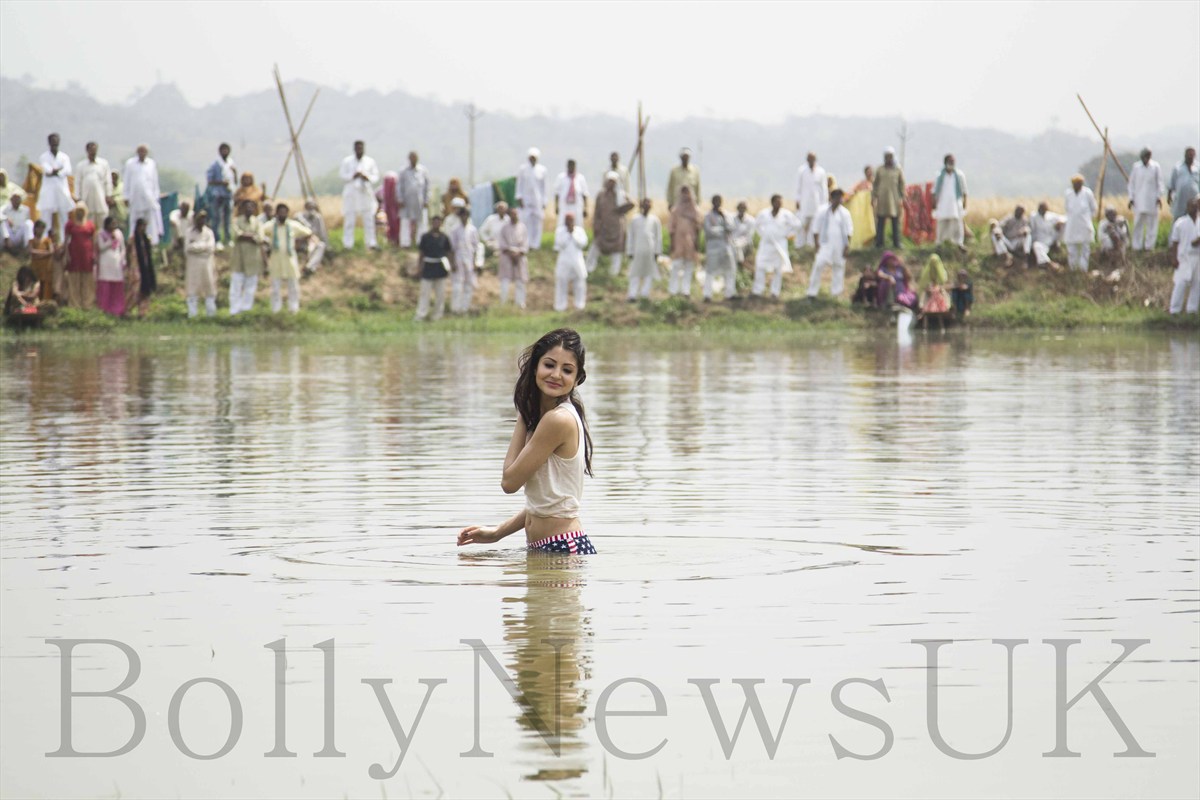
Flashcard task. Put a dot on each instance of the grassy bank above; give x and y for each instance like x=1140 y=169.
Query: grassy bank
x=373 y=293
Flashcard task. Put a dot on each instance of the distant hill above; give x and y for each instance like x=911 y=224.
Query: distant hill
x=736 y=158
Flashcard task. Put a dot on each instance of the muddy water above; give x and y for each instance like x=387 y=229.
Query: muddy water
x=783 y=510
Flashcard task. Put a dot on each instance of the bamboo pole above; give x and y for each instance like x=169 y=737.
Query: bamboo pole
x=287 y=162
x=1104 y=134
x=1100 y=180
x=305 y=188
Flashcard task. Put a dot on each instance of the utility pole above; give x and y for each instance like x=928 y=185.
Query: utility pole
x=472 y=115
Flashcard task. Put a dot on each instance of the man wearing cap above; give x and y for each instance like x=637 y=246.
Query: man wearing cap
x=571 y=193
x=887 y=196
x=1081 y=209
x=950 y=202
x=812 y=193
x=16 y=228
x=360 y=173
x=686 y=174
x=1145 y=198
x=531 y=196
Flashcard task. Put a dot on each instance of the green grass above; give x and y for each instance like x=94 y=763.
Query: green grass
x=379 y=301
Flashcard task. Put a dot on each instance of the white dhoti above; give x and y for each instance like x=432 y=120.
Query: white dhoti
x=241 y=292
x=533 y=219
x=19 y=235
x=357 y=206
x=461 y=288
x=643 y=269
x=805 y=233
x=1187 y=285
x=680 y=281
x=293 y=294
x=152 y=213
x=566 y=274
x=1041 y=253
x=1078 y=254
x=950 y=229
x=828 y=256
x=1145 y=231
x=771 y=259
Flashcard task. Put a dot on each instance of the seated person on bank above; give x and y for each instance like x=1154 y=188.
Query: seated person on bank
x=24 y=297
x=1016 y=236
x=1114 y=232
x=962 y=295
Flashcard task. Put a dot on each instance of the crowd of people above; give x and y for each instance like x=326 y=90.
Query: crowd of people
x=112 y=264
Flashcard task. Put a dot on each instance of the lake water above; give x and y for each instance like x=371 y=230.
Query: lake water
x=765 y=508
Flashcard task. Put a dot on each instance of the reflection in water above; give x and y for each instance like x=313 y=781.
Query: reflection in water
x=755 y=504
x=548 y=633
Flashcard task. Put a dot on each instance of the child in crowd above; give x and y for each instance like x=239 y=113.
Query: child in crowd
x=962 y=296
x=41 y=259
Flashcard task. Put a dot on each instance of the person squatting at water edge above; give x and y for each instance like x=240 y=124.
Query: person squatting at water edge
x=550 y=450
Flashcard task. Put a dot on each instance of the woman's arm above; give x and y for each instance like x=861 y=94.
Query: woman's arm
x=552 y=431
x=479 y=534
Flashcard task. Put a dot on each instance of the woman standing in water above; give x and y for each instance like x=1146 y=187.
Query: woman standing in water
x=550 y=450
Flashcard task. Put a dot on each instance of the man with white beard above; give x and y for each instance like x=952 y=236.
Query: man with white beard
x=531 y=196
x=1145 y=198
x=55 y=195
x=142 y=193
x=360 y=173
x=812 y=193
x=93 y=183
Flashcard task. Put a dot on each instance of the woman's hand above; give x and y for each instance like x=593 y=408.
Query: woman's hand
x=478 y=534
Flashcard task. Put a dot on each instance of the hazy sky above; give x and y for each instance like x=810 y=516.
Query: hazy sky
x=1015 y=66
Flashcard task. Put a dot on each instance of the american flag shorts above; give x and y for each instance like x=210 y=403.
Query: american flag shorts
x=575 y=543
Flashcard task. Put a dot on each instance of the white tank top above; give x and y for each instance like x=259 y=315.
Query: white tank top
x=556 y=489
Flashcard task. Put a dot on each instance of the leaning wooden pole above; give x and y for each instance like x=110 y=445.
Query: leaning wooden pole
x=304 y=188
x=287 y=162
x=1100 y=179
x=1104 y=135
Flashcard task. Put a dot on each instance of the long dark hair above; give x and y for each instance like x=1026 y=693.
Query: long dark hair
x=527 y=397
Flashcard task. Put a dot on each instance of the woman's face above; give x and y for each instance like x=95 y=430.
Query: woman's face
x=557 y=372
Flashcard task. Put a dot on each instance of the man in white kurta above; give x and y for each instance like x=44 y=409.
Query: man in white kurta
x=1184 y=184
x=1079 y=232
x=615 y=165
x=775 y=225
x=16 y=228
x=1046 y=230
x=1185 y=245
x=570 y=241
x=1113 y=232
x=743 y=233
x=142 y=192
x=489 y=231
x=360 y=173
x=531 y=196
x=950 y=202
x=55 y=195
x=93 y=183
x=832 y=230
x=1145 y=198
x=571 y=193
x=412 y=194
x=463 y=242
x=643 y=245
x=812 y=194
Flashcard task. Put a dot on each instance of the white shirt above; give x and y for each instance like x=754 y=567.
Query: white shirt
x=743 y=230
x=55 y=194
x=835 y=227
x=489 y=231
x=1184 y=232
x=531 y=186
x=1044 y=229
x=93 y=178
x=570 y=246
x=141 y=183
x=812 y=189
x=563 y=185
x=15 y=217
x=359 y=194
x=774 y=231
x=1081 y=208
x=644 y=236
x=1145 y=187
x=949 y=204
